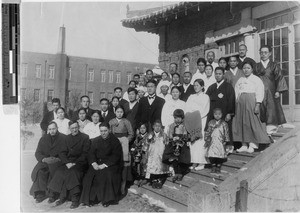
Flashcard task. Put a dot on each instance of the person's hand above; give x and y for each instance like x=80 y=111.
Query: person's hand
x=50 y=160
x=188 y=144
x=176 y=138
x=256 y=109
x=277 y=95
x=102 y=166
x=228 y=117
x=70 y=165
x=95 y=166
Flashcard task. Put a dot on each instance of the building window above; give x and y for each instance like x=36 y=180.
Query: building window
x=23 y=93
x=38 y=70
x=24 y=70
x=111 y=76
x=36 y=95
x=279 y=41
x=231 y=46
x=297 y=63
x=102 y=95
x=69 y=73
x=128 y=77
x=274 y=21
x=91 y=74
x=51 y=71
x=91 y=96
x=109 y=96
x=118 y=77
x=50 y=95
x=103 y=76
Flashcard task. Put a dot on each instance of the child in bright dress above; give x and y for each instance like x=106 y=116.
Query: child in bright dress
x=215 y=137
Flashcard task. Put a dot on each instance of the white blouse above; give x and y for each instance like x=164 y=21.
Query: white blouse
x=168 y=109
x=63 y=125
x=251 y=84
x=198 y=102
x=168 y=96
x=92 y=130
x=209 y=81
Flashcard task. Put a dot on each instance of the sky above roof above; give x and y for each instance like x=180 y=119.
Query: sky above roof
x=93 y=29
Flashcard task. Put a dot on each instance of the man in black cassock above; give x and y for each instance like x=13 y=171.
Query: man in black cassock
x=47 y=155
x=67 y=179
x=102 y=182
x=222 y=95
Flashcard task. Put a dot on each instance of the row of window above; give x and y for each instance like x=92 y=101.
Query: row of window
x=90 y=77
x=50 y=95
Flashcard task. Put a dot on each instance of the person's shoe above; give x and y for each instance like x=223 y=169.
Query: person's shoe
x=191 y=168
x=242 y=149
x=51 y=200
x=106 y=204
x=218 y=170
x=213 y=169
x=59 y=202
x=74 y=205
x=229 y=149
x=250 y=150
x=180 y=177
x=175 y=178
x=200 y=167
x=40 y=198
x=142 y=182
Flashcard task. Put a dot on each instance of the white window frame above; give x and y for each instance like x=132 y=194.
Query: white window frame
x=24 y=69
x=38 y=70
x=118 y=77
x=103 y=76
x=91 y=96
x=39 y=95
x=70 y=73
x=111 y=76
x=129 y=77
x=91 y=74
x=50 y=90
x=51 y=71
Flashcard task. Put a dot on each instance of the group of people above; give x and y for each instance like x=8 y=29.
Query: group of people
x=158 y=129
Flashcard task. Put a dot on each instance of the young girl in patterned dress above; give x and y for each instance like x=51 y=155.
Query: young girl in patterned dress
x=215 y=137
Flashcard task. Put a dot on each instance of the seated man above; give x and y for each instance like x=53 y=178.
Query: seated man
x=68 y=177
x=47 y=155
x=102 y=182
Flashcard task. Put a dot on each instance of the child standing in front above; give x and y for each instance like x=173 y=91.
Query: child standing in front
x=156 y=170
x=138 y=152
x=122 y=129
x=177 y=152
x=215 y=137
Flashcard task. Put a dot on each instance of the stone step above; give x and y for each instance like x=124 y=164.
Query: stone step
x=244 y=157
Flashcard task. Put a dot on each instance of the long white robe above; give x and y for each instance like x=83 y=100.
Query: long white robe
x=199 y=102
x=167 y=112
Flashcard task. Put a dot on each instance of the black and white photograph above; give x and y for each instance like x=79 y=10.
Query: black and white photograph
x=160 y=106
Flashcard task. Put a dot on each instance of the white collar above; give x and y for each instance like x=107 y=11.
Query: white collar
x=265 y=63
x=156 y=134
x=234 y=71
x=186 y=86
x=219 y=84
x=242 y=59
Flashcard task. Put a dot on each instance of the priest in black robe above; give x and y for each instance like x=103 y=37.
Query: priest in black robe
x=47 y=155
x=68 y=178
x=222 y=95
x=103 y=179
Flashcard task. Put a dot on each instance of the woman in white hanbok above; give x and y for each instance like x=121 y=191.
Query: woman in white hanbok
x=62 y=122
x=169 y=107
x=198 y=104
x=92 y=129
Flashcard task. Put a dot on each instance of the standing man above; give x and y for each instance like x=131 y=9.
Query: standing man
x=131 y=108
x=242 y=56
x=84 y=103
x=106 y=115
x=269 y=72
x=136 y=78
x=118 y=93
x=50 y=116
x=186 y=89
x=150 y=107
x=234 y=73
x=172 y=69
x=149 y=75
x=210 y=57
x=222 y=95
x=47 y=155
x=67 y=179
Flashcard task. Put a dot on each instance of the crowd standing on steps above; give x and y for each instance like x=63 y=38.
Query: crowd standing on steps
x=158 y=129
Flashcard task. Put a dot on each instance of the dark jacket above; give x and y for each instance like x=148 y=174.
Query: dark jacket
x=49 y=116
x=110 y=115
x=247 y=59
x=149 y=113
x=185 y=95
x=131 y=114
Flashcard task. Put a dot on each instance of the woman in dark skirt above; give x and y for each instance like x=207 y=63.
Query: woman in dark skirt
x=247 y=127
x=103 y=179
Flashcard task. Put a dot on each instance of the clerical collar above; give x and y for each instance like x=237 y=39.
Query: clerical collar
x=265 y=63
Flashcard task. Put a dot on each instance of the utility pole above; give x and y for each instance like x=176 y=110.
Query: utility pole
x=45 y=99
x=85 y=82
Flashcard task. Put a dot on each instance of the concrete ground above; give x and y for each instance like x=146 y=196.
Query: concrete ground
x=131 y=203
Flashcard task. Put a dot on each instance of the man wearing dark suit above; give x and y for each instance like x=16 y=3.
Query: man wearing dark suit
x=47 y=155
x=118 y=93
x=242 y=57
x=85 y=103
x=131 y=108
x=186 y=89
x=150 y=107
x=50 y=116
x=106 y=115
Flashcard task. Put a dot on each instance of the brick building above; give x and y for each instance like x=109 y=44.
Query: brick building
x=191 y=29
x=45 y=76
